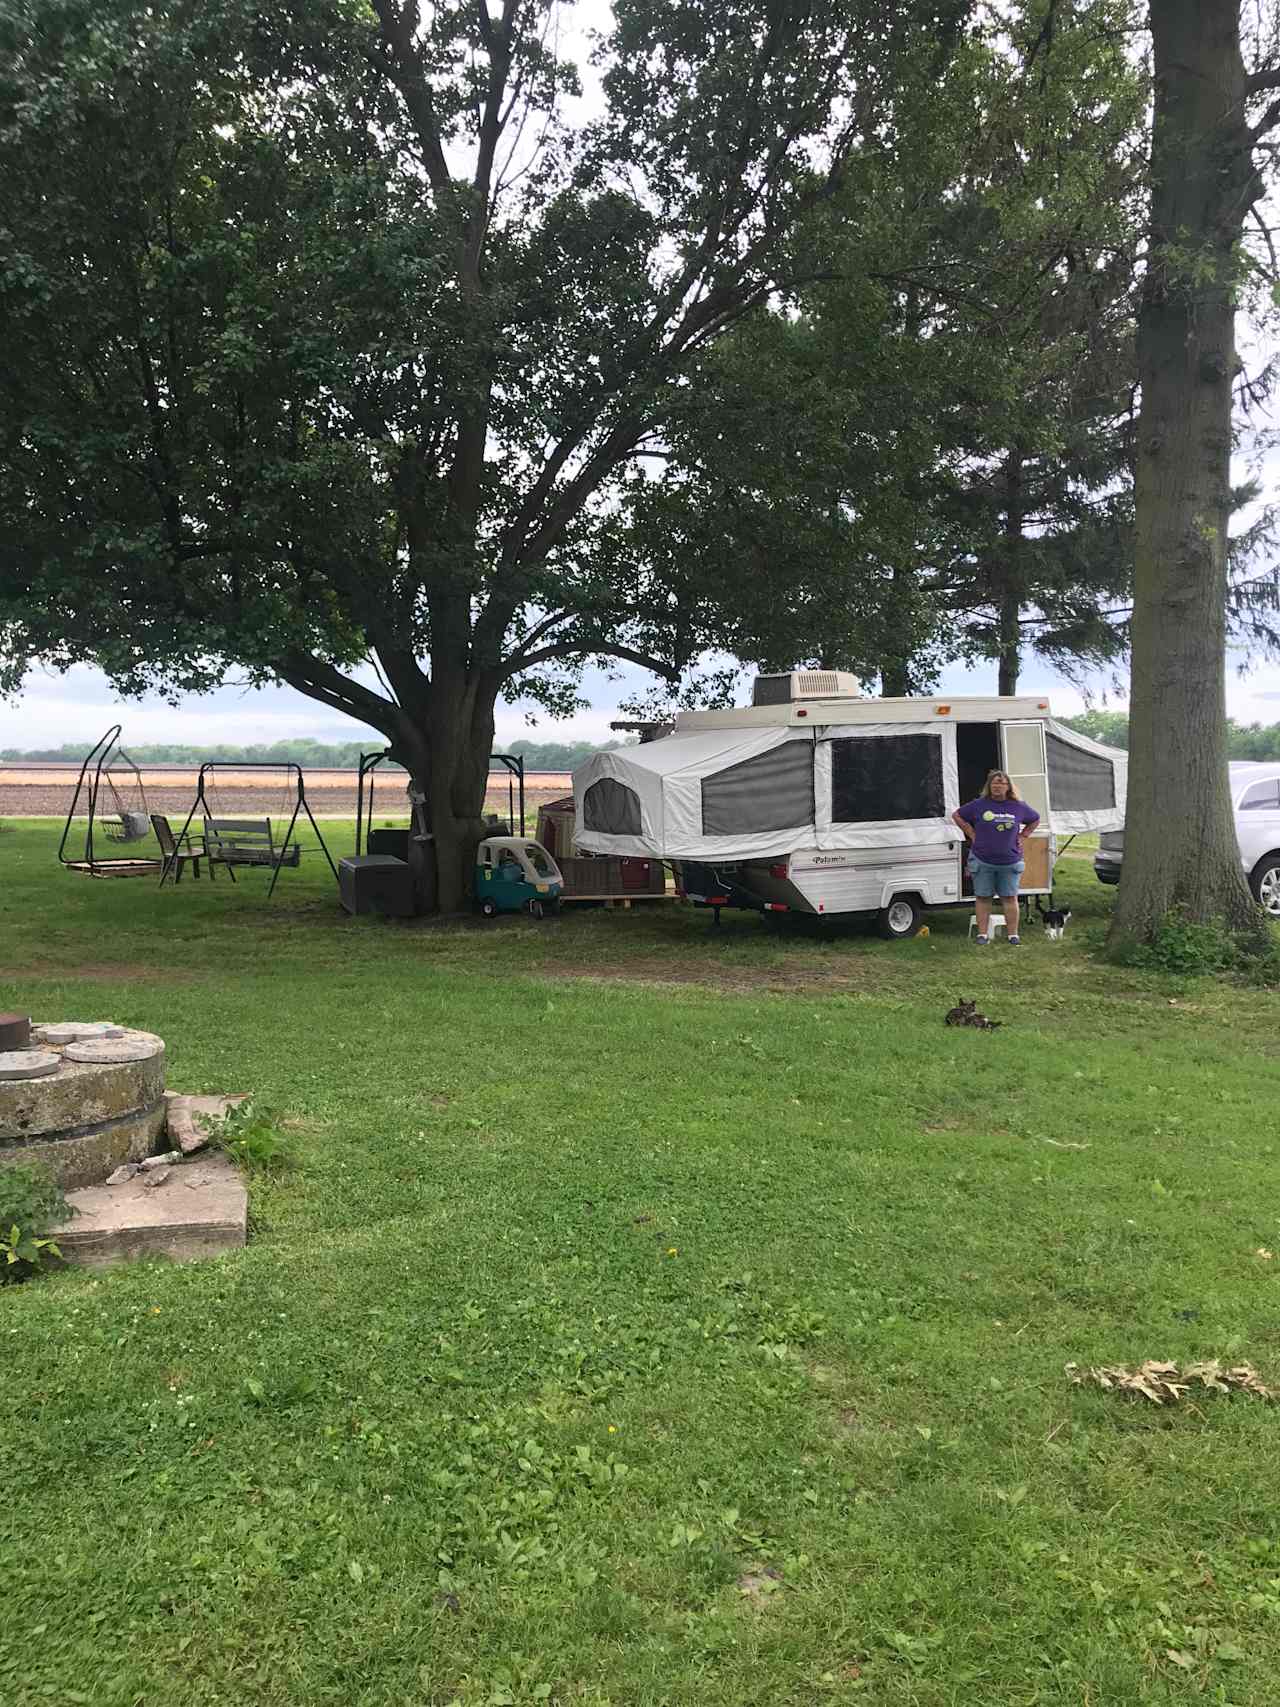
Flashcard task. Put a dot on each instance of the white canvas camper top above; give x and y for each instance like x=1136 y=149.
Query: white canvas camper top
x=809 y=791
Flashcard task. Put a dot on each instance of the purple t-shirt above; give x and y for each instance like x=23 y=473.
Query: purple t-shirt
x=996 y=827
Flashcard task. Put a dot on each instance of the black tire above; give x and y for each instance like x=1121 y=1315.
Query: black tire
x=1264 y=880
x=535 y=908
x=488 y=907
x=901 y=919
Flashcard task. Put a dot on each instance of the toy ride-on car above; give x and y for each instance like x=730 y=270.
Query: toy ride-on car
x=515 y=875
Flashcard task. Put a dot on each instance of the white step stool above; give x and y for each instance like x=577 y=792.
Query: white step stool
x=997 y=924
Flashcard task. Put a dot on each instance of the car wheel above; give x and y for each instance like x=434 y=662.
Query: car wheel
x=488 y=907
x=901 y=918
x=1265 y=883
x=535 y=909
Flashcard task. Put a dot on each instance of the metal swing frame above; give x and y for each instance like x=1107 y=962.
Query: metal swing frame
x=284 y=856
x=512 y=763
x=98 y=765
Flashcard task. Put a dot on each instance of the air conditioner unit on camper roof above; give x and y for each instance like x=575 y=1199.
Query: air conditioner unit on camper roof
x=804 y=684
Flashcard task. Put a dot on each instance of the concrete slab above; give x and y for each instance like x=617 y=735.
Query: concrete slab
x=199 y=1210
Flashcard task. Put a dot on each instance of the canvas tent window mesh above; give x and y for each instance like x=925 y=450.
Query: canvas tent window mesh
x=772 y=791
x=879 y=778
x=611 y=808
x=1078 y=781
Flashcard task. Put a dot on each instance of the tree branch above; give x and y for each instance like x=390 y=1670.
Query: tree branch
x=1265 y=229
x=319 y=680
x=404 y=69
x=539 y=629
x=584 y=649
x=1267 y=122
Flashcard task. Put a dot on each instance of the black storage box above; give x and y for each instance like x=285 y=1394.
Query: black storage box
x=393 y=842
x=376 y=883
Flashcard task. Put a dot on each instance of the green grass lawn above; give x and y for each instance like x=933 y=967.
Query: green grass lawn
x=626 y=1263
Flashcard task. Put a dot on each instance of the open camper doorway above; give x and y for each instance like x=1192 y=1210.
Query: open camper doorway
x=977 y=752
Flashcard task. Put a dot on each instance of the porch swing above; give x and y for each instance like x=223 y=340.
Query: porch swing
x=234 y=841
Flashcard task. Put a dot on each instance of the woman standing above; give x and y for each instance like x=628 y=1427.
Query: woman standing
x=995 y=825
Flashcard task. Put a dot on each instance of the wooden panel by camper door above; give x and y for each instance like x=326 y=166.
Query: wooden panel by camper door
x=1036 y=855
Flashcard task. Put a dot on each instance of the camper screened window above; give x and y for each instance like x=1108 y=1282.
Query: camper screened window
x=611 y=808
x=773 y=791
x=1078 y=781
x=876 y=779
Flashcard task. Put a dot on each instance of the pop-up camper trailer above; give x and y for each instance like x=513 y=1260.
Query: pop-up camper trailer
x=815 y=800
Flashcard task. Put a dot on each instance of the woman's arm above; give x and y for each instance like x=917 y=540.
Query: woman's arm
x=1027 y=827
x=965 y=825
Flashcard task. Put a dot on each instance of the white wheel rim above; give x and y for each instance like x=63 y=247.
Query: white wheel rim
x=901 y=916
x=1269 y=891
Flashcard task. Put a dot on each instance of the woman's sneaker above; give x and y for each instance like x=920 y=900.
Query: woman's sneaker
x=1015 y=941
x=981 y=940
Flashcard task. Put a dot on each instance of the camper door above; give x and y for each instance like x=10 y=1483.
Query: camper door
x=886 y=785
x=1023 y=756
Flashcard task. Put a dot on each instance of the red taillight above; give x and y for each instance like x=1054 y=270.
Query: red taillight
x=717 y=900
x=776 y=907
x=778 y=870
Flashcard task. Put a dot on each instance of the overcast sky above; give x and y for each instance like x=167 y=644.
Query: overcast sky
x=77 y=707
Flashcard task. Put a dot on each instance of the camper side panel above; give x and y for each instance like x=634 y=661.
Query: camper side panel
x=860 y=881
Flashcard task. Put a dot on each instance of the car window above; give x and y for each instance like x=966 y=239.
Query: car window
x=1262 y=797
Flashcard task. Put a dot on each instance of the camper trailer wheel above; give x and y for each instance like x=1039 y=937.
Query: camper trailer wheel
x=901 y=918
x=535 y=908
x=488 y=907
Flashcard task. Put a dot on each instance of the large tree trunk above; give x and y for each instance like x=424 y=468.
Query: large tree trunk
x=1180 y=844
x=895 y=682
x=896 y=678
x=1009 y=610
x=1010 y=656
x=447 y=758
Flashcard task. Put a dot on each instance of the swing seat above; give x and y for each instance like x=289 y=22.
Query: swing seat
x=128 y=827
x=246 y=841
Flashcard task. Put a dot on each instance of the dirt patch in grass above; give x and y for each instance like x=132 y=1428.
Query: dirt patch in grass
x=776 y=980
x=107 y=972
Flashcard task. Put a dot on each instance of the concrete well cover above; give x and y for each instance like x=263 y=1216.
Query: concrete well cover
x=28 y=1063
x=107 y=1051
x=78 y=1031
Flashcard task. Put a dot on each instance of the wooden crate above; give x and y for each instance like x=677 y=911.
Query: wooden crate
x=608 y=875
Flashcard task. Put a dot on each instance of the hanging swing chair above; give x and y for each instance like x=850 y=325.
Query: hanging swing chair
x=110 y=788
x=129 y=820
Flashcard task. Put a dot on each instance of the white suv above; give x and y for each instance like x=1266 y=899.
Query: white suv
x=1255 y=797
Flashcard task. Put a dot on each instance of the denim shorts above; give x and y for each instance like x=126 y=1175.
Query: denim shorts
x=992 y=880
